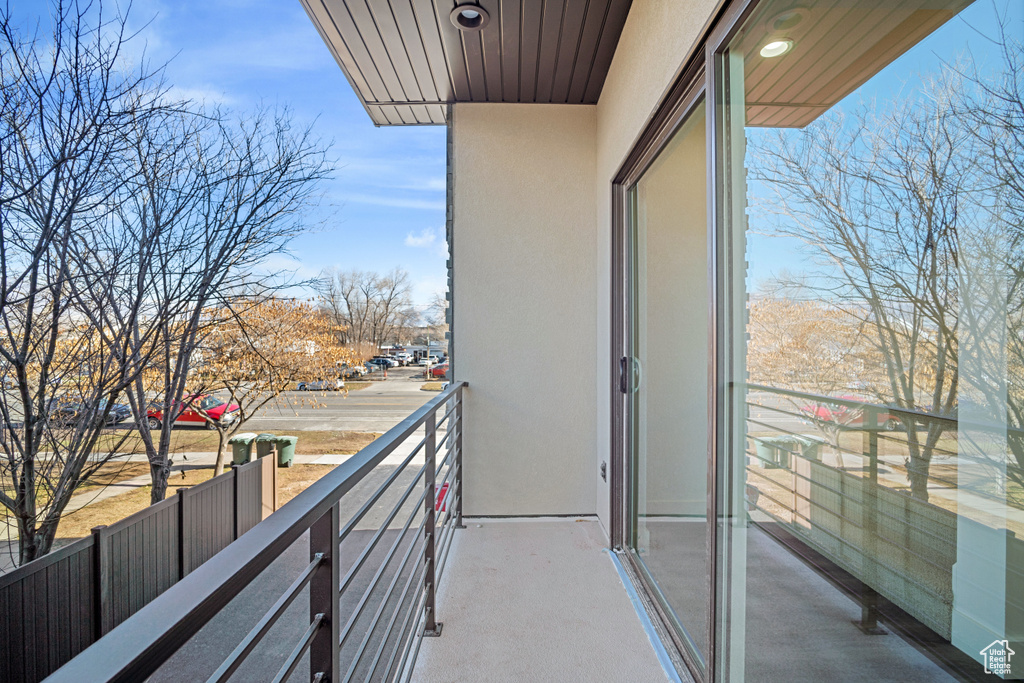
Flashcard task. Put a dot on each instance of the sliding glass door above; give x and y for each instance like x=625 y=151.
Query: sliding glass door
x=667 y=378
x=869 y=157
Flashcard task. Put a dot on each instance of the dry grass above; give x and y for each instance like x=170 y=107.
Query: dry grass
x=189 y=440
x=432 y=386
x=113 y=472
x=79 y=523
x=290 y=482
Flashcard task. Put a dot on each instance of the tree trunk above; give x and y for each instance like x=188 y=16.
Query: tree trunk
x=33 y=543
x=160 y=472
x=222 y=437
x=917 y=473
x=27 y=549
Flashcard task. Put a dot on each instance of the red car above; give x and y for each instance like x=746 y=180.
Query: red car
x=196 y=408
x=849 y=416
x=439 y=370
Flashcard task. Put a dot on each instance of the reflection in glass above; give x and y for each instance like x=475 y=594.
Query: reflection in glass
x=876 y=400
x=670 y=378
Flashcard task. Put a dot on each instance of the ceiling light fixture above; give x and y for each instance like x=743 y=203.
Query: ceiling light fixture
x=776 y=48
x=469 y=17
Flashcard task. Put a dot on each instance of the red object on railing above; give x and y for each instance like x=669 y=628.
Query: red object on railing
x=441 y=505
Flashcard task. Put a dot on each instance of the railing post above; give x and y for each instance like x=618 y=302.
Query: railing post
x=236 y=518
x=458 y=459
x=101 y=585
x=324 y=597
x=431 y=627
x=184 y=547
x=869 y=596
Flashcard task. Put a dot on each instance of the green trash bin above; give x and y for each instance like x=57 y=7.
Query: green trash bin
x=264 y=444
x=775 y=451
x=286 y=450
x=779 y=451
x=241 y=447
x=811 y=447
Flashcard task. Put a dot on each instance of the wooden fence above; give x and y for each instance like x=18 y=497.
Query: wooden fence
x=53 y=608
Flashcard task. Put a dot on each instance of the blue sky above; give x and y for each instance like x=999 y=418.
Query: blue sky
x=385 y=206
x=966 y=36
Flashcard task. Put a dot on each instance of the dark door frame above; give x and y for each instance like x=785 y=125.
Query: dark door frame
x=684 y=97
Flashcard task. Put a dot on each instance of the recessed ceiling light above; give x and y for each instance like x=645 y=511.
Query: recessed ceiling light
x=469 y=17
x=776 y=48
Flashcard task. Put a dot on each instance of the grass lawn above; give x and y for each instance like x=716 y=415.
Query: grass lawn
x=202 y=440
x=290 y=482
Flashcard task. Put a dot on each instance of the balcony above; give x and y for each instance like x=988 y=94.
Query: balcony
x=837 y=549
x=515 y=595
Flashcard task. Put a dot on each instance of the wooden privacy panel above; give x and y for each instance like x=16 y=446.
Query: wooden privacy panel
x=139 y=560
x=207 y=520
x=253 y=481
x=55 y=607
x=47 y=614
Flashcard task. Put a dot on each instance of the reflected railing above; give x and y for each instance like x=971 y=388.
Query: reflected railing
x=835 y=474
x=368 y=628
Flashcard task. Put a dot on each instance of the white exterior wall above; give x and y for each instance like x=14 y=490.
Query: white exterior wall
x=525 y=313
x=532 y=252
x=658 y=37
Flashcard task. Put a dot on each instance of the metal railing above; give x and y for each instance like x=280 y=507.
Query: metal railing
x=339 y=644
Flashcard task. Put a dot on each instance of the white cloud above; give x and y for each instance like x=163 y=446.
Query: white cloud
x=426 y=238
x=429 y=238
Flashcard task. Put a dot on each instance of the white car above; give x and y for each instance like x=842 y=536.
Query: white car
x=427 y=361
x=322 y=385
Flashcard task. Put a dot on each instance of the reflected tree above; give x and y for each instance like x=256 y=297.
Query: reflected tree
x=883 y=199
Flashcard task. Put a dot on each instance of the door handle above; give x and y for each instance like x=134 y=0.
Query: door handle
x=623 y=381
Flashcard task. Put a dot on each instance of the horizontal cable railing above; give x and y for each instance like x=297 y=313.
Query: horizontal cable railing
x=380 y=637
x=835 y=474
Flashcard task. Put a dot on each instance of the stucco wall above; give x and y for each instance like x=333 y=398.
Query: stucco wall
x=655 y=42
x=525 y=313
x=532 y=251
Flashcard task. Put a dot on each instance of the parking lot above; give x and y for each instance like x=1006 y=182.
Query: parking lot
x=375 y=408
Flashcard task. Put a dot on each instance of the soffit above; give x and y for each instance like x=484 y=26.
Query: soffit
x=838 y=46
x=406 y=60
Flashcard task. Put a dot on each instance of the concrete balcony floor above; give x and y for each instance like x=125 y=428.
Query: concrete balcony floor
x=535 y=600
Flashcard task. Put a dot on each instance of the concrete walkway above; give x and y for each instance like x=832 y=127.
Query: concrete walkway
x=535 y=600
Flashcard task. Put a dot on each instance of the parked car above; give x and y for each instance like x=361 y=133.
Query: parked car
x=379 y=362
x=426 y=361
x=352 y=371
x=439 y=370
x=391 y=361
x=194 y=410
x=404 y=358
x=848 y=416
x=322 y=385
x=72 y=412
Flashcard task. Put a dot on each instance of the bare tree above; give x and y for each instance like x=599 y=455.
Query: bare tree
x=68 y=101
x=882 y=200
x=373 y=309
x=245 y=196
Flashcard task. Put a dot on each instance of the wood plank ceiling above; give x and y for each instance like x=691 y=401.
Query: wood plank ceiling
x=406 y=60
x=837 y=46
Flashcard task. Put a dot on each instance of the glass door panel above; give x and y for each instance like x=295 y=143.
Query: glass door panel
x=668 y=401
x=872 y=299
